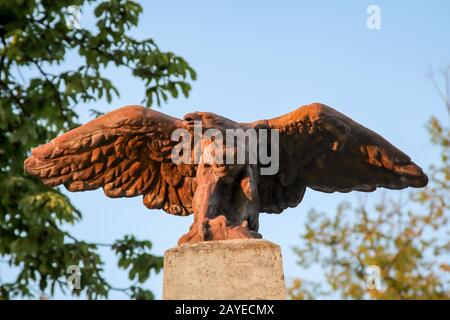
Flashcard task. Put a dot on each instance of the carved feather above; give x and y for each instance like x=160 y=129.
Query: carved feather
x=113 y=152
x=325 y=150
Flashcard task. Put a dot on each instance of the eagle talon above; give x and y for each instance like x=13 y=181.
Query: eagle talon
x=218 y=228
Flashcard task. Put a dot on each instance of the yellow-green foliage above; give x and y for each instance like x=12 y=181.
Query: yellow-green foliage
x=408 y=239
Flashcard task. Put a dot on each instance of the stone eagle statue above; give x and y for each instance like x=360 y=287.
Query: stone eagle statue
x=129 y=152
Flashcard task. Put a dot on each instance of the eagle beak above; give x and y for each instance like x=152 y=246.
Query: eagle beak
x=190 y=119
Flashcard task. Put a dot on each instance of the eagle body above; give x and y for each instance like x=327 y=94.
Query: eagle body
x=130 y=152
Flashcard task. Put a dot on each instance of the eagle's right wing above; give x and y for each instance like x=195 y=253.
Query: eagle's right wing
x=127 y=153
x=323 y=149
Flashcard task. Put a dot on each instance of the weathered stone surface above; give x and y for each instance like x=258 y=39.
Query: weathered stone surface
x=128 y=153
x=228 y=269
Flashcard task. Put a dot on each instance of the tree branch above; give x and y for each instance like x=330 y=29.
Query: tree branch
x=444 y=96
x=55 y=91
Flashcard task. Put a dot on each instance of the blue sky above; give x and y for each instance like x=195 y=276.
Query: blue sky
x=260 y=59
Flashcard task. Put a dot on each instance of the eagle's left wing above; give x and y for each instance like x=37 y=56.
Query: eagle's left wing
x=127 y=152
x=325 y=150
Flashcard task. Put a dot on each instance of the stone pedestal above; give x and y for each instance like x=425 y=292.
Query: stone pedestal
x=228 y=270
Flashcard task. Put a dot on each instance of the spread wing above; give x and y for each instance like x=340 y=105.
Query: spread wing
x=325 y=150
x=126 y=152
